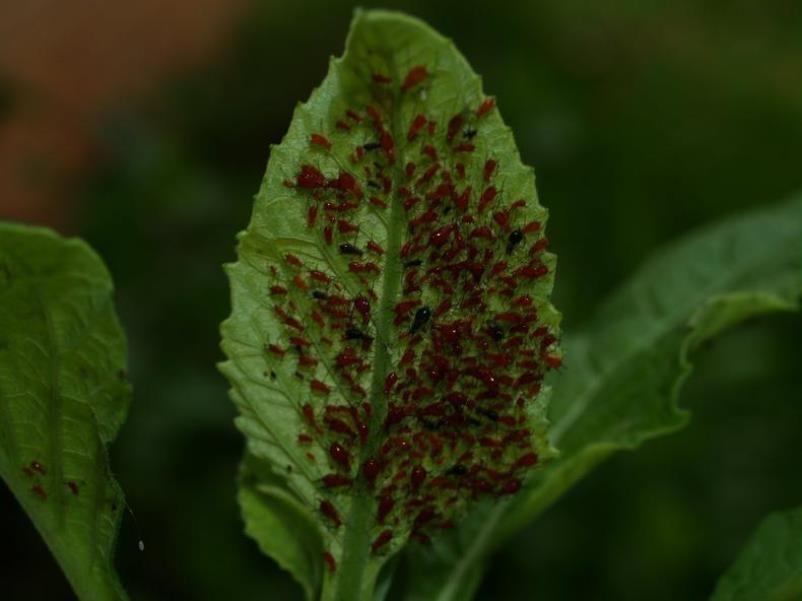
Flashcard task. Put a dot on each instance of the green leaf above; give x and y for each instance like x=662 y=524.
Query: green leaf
x=63 y=397
x=624 y=372
x=390 y=325
x=770 y=566
x=283 y=528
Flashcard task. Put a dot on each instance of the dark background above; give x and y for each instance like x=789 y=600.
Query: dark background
x=145 y=128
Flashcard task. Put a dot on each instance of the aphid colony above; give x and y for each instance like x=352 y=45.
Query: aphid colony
x=470 y=348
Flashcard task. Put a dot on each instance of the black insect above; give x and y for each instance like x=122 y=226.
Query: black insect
x=319 y=295
x=513 y=240
x=353 y=333
x=422 y=316
x=413 y=263
x=374 y=184
x=457 y=470
x=347 y=248
x=371 y=145
x=496 y=332
x=488 y=413
x=469 y=133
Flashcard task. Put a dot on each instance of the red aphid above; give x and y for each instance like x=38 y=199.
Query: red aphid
x=428 y=174
x=336 y=480
x=527 y=460
x=385 y=537
x=414 y=128
x=481 y=232
x=331 y=563
x=328 y=235
x=454 y=125
x=338 y=453
x=357 y=267
x=530 y=272
x=346 y=227
x=388 y=146
x=39 y=491
x=531 y=227
x=553 y=361
x=342 y=125
x=311 y=216
x=430 y=152
x=293 y=260
x=362 y=306
x=415 y=76
x=386 y=505
x=441 y=235
x=487 y=197
x=373 y=247
x=403 y=308
x=276 y=349
x=378 y=202
x=381 y=79
x=540 y=246
x=73 y=487
x=318 y=140
x=485 y=107
x=335 y=424
x=278 y=290
x=489 y=169
x=409 y=170
x=353 y=115
x=310 y=178
x=309 y=415
x=328 y=510
x=301 y=285
x=319 y=276
x=498 y=268
x=304 y=438
x=502 y=218
x=417 y=477
x=319 y=387
x=390 y=382
x=463 y=199
x=307 y=361
x=374 y=115
x=371 y=469
x=465 y=147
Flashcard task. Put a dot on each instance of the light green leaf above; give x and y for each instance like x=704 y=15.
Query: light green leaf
x=390 y=327
x=770 y=566
x=282 y=527
x=63 y=397
x=624 y=372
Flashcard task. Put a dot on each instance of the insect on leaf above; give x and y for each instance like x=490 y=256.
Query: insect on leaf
x=63 y=396
x=627 y=367
x=391 y=327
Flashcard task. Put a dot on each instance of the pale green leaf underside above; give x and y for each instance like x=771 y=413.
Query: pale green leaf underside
x=269 y=391
x=770 y=566
x=282 y=527
x=623 y=373
x=63 y=397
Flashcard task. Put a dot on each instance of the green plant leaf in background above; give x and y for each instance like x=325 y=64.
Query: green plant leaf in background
x=626 y=368
x=391 y=327
x=63 y=397
x=770 y=566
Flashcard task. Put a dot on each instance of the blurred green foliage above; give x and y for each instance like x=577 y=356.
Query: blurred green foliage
x=642 y=119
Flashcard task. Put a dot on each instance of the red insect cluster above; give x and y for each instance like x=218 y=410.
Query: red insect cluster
x=473 y=347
